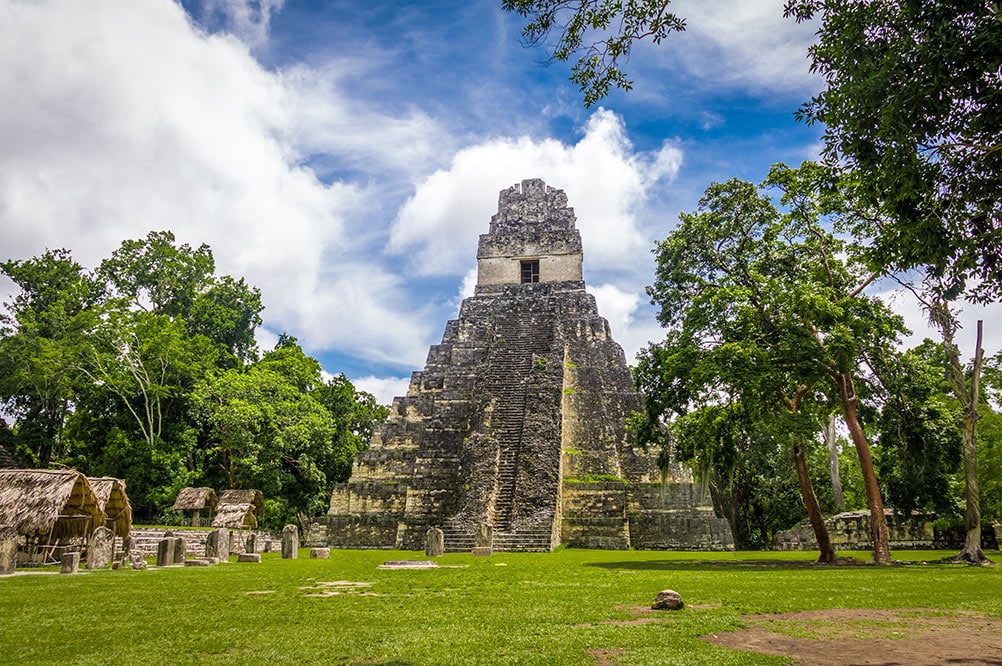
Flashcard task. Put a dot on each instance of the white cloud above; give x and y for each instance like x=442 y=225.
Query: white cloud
x=906 y=305
x=630 y=318
x=119 y=117
x=607 y=183
x=385 y=389
x=745 y=44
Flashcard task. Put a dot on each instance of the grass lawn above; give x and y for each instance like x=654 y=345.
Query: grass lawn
x=567 y=607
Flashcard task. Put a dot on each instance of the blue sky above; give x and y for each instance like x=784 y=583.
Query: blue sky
x=344 y=156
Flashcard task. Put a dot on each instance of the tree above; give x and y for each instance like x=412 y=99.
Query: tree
x=911 y=105
x=601 y=33
x=773 y=298
x=355 y=415
x=154 y=274
x=917 y=428
x=42 y=334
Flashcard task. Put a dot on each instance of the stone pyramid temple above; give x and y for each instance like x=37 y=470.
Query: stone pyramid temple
x=518 y=419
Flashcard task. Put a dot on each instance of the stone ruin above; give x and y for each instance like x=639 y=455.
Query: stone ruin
x=517 y=421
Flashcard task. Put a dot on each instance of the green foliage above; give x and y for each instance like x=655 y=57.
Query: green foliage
x=597 y=478
x=918 y=432
x=767 y=327
x=911 y=106
x=147 y=370
x=599 y=33
x=42 y=334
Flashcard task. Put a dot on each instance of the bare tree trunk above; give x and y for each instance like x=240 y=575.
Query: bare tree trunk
x=827 y=554
x=833 y=462
x=878 y=522
x=971 y=553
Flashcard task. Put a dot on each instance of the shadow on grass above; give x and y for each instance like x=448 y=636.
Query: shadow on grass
x=725 y=565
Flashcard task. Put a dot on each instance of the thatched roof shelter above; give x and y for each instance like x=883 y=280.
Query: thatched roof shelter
x=196 y=499
x=235 y=516
x=255 y=497
x=111 y=498
x=48 y=504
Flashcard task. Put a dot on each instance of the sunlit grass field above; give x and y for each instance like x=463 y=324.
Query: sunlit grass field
x=511 y=608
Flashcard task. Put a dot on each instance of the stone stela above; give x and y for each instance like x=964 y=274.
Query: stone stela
x=517 y=420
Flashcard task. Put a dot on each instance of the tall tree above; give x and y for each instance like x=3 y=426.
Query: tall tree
x=773 y=294
x=42 y=334
x=917 y=428
x=912 y=107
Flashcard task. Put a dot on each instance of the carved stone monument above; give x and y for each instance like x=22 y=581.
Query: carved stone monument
x=165 y=551
x=518 y=420
x=180 y=549
x=101 y=548
x=434 y=545
x=8 y=550
x=69 y=563
x=290 y=542
x=217 y=544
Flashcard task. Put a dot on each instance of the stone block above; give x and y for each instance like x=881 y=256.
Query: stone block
x=197 y=562
x=250 y=545
x=100 y=548
x=217 y=544
x=180 y=550
x=482 y=551
x=434 y=542
x=137 y=561
x=483 y=537
x=8 y=550
x=249 y=557
x=320 y=553
x=290 y=542
x=69 y=563
x=165 y=551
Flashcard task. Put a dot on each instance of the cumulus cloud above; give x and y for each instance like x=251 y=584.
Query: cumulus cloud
x=385 y=389
x=606 y=180
x=743 y=44
x=120 y=117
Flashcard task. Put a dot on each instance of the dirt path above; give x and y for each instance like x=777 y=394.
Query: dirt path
x=909 y=637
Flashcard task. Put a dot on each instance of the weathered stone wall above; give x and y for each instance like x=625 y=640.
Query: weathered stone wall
x=594 y=515
x=851 y=531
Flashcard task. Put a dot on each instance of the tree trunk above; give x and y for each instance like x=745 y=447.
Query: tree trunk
x=878 y=522
x=827 y=554
x=971 y=553
x=833 y=462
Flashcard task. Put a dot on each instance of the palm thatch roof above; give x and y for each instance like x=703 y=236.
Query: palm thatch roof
x=196 y=499
x=255 y=497
x=235 y=516
x=48 y=504
x=6 y=459
x=111 y=498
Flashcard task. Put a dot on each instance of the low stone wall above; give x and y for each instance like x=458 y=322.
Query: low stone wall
x=362 y=531
x=145 y=539
x=644 y=516
x=851 y=531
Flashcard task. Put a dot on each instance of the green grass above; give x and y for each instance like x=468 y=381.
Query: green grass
x=512 y=608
